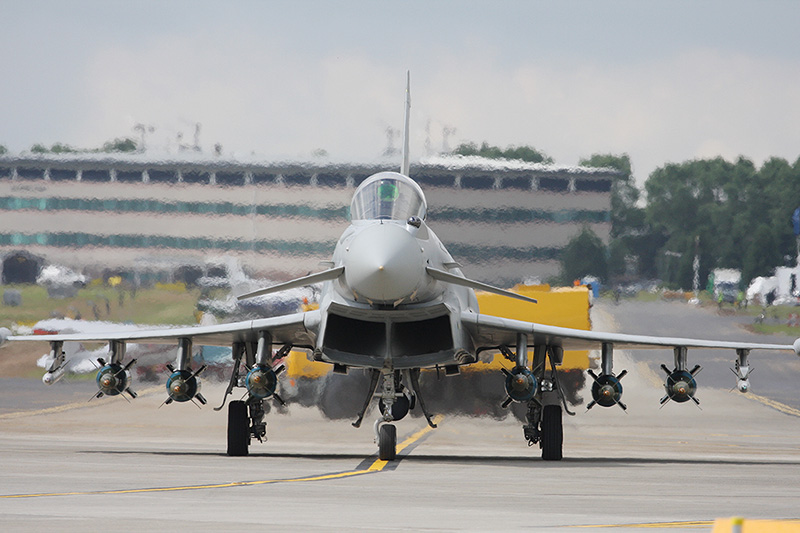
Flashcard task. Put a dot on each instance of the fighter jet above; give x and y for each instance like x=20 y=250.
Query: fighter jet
x=395 y=302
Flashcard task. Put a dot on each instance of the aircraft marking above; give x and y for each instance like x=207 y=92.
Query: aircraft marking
x=375 y=467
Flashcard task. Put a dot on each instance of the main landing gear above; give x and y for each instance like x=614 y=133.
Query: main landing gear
x=246 y=416
x=539 y=389
x=544 y=425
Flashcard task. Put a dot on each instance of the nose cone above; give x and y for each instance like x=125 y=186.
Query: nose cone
x=384 y=263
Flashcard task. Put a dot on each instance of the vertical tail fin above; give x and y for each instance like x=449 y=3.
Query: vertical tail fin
x=405 y=168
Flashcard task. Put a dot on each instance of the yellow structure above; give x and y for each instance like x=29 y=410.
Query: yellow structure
x=740 y=525
x=564 y=306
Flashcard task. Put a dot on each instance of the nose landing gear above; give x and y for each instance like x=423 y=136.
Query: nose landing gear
x=386 y=435
x=395 y=400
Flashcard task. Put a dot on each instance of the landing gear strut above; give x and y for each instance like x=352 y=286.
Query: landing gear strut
x=240 y=429
x=544 y=427
x=544 y=417
x=395 y=400
x=246 y=416
x=394 y=403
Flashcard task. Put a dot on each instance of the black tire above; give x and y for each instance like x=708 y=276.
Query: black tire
x=552 y=433
x=387 y=442
x=238 y=429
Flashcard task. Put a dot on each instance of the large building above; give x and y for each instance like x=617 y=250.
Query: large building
x=504 y=221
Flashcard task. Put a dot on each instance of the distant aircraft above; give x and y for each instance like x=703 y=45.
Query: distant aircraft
x=76 y=358
x=60 y=281
x=229 y=274
x=394 y=302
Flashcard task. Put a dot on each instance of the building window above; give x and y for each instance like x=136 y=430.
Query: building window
x=587 y=185
x=554 y=184
x=477 y=182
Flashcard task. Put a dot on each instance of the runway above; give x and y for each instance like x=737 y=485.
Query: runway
x=87 y=466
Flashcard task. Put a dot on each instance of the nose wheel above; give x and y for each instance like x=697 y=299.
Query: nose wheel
x=387 y=442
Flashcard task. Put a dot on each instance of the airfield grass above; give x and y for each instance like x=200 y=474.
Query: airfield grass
x=164 y=304
x=170 y=304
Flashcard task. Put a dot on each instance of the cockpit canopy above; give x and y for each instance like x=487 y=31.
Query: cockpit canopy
x=388 y=196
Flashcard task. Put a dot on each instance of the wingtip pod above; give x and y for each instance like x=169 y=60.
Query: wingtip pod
x=796 y=347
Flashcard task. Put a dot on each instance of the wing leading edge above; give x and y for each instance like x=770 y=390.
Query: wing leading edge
x=489 y=331
x=297 y=329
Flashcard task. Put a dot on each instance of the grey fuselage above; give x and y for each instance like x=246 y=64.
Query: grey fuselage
x=385 y=310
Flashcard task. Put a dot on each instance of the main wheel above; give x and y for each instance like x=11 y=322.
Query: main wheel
x=238 y=429
x=552 y=433
x=387 y=442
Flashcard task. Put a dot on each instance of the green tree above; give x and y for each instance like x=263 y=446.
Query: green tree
x=762 y=253
x=3 y=149
x=741 y=214
x=523 y=153
x=125 y=144
x=59 y=148
x=584 y=255
x=631 y=237
x=686 y=201
x=626 y=217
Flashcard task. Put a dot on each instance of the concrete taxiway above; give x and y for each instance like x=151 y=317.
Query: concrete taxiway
x=111 y=464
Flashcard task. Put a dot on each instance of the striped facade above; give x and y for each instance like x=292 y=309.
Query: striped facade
x=504 y=221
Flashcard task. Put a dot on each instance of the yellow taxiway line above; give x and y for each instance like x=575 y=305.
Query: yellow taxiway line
x=379 y=465
x=653 y=525
x=376 y=466
x=783 y=408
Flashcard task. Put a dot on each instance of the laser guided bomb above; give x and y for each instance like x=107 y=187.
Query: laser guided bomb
x=183 y=384
x=607 y=390
x=113 y=379
x=680 y=385
x=261 y=381
x=607 y=387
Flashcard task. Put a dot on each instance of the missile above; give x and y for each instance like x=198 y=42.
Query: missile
x=742 y=373
x=52 y=376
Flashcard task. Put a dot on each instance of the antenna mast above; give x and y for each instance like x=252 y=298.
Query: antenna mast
x=405 y=168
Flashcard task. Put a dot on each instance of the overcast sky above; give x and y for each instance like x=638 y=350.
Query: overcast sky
x=662 y=81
